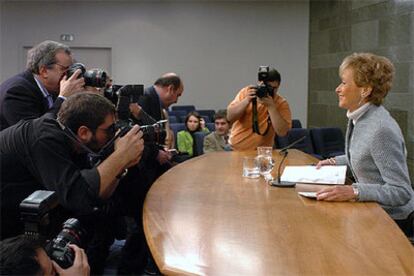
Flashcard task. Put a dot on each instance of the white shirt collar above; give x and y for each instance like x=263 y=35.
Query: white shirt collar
x=356 y=114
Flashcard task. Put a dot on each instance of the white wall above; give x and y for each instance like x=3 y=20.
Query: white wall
x=216 y=47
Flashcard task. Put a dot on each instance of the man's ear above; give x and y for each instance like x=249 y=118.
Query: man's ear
x=84 y=134
x=43 y=72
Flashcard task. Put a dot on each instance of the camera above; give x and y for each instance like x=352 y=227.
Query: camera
x=264 y=89
x=153 y=131
x=58 y=249
x=93 y=77
x=42 y=217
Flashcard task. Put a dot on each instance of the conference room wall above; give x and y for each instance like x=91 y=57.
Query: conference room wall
x=339 y=28
x=215 y=46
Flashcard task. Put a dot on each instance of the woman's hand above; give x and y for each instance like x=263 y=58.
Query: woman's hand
x=336 y=193
x=326 y=162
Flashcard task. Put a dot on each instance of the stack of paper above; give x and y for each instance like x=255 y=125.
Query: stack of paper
x=309 y=174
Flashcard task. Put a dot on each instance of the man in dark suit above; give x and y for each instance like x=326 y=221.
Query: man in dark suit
x=165 y=91
x=155 y=161
x=42 y=87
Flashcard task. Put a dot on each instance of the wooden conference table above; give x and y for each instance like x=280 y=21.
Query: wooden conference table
x=203 y=218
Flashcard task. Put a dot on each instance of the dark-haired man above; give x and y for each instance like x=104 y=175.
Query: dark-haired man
x=22 y=255
x=273 y=116
x=54 y=154
x=218 y=139
x=35 y=91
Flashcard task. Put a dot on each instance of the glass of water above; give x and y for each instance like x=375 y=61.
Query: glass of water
x=250 y=167
x=265 y=161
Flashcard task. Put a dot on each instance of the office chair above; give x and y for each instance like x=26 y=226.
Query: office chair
x=207 y=112
x=328 y=141
x=295 y=134
x=186 y=108
x=296 y=123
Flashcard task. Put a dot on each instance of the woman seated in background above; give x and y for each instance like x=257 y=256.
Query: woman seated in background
x=185 y=138
x=375 y=151
x=203 y=126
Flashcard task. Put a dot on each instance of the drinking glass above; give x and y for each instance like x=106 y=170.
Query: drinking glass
x=250 y=167
x=265 y=161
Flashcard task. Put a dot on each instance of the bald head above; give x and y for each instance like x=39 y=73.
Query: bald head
x=169 y=87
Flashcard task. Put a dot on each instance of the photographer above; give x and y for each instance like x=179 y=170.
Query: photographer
x=269 y=111
x=51 y=154
x=21 y=255
x=42 y=87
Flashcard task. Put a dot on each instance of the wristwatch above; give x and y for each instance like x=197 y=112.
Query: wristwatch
x=122 y=174
x=356 y=192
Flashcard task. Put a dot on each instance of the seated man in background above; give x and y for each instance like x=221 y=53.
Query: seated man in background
x=22 y=255
x=219 y=139
x=273 y=114
x=55 y=154
x=35 y=91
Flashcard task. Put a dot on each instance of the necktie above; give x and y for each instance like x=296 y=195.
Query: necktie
x=49 y=100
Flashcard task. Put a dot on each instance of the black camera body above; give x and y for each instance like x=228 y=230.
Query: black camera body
x=153 y=131
x=93 y=77
x=42 y=216
x=264 y=89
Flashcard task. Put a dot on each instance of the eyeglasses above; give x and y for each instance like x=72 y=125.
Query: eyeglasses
x=110 y=131
x=64 y=68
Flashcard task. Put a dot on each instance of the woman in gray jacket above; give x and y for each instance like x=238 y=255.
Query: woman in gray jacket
x=375 y=151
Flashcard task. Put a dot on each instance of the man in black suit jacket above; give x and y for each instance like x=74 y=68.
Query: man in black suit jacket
x=42 y=87
x=155 y=160
x=165 y=91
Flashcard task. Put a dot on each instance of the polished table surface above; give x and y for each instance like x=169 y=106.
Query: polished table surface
x=202 y=217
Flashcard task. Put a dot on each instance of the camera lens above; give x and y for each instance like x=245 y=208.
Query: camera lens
x=59 y=249
x=73 y=68
x=95 y=78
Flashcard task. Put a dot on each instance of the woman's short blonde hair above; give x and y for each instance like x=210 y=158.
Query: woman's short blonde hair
x=370 y=70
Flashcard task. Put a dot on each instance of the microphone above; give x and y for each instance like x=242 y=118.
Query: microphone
x=284 y=152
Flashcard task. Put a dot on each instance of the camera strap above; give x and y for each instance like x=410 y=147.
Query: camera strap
x=255 y=120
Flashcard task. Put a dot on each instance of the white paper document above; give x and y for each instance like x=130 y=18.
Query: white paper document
x=308 y=194
x=309 y=174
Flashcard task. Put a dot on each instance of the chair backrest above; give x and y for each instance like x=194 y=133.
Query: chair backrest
x=177 y=113
x=172 y=119
x=296 y=123
x=186 y=108
x=206 y=118
x=211 y=126
x=328 y=141
x=176 y=127
x=199 y=142
x=207 y=112
x=296 y=133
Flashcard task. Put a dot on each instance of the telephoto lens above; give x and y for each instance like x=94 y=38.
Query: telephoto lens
x=58 y=249
x=93 y=77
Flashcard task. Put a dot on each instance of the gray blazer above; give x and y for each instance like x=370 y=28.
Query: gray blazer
x=376 y=155
x=213 y=142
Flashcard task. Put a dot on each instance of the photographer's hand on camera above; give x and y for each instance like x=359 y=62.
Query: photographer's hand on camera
x=135 y=110
x=72 y=85
x=163 y=157
x=130 y=146
x=267 y=101
x=80 y=264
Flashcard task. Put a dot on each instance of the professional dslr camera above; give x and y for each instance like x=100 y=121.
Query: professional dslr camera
x=41 y=215
x=264 y=89
x=153 y=131
x=93 y=77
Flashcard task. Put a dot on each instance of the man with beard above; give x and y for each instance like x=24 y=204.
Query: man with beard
x=54 y=154
x=42 y=87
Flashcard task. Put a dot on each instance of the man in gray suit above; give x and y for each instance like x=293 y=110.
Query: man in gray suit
x=218 y=140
